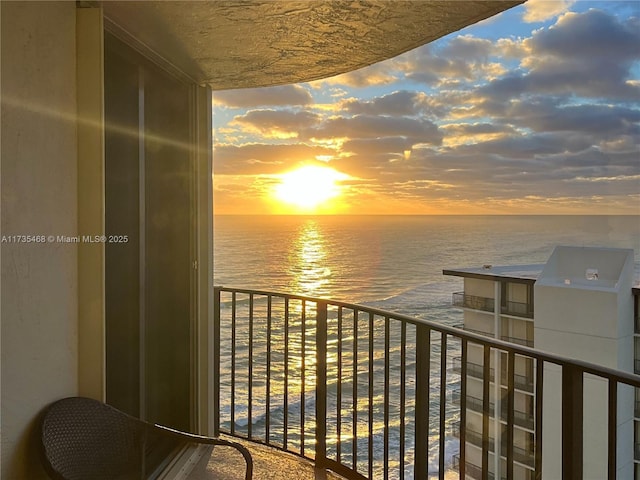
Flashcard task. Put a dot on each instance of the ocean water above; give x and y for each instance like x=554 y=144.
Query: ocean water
x=393 y=263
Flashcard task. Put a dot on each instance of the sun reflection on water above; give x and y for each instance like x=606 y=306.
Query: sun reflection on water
x=310 y=274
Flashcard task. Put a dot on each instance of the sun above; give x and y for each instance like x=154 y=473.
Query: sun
x=310 y=187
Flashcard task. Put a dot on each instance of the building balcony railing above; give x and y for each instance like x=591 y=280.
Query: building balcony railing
x=460 y=299
x=518 y=340
x=636 y=451
x=517 y=309
x=521 y=382
x=520 y=455
x=522 y=419
x=636 y=366
x=487 y=304
x=475 y=330
x=472 y=470
x=636 y=410
x=365 y=392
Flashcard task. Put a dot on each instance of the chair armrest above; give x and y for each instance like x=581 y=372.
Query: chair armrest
x=190 y=437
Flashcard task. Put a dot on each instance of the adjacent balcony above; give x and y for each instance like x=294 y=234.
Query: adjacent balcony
x=517 y=309
x=365 y=393
x=486 y=304
x=521 y=382
x=519 y=340
x=460 y=299
x=472 y=470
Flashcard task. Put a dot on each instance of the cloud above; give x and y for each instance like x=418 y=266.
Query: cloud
x=588 y=55
x=602 y=121
x=259 y=158
x=381 y=73
x=460 y=61
x=275 y=123
x=468 y=48
x=376 y=126
x=398 y=103
x=270 y=96
x=541 y=10
x=378 y=146
x=590 y=34
x=401 y=102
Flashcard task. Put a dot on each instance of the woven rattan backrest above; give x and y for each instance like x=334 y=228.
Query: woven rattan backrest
x=84 y=439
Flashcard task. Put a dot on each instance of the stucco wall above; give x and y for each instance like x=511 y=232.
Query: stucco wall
x=39 y=280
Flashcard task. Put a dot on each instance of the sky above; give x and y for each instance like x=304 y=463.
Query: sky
x=533 y=111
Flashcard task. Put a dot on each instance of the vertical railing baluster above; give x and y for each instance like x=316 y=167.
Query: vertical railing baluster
x=339 y=391
x=216 y=361
x=355 y=391
x=303 y=371
x=370 y=444
x=443 y=404
x=321 y=384
x=423 y=367
x=267 y=403
x=250 y=369
x=486 y=409
x=285 y=420
x=511 y=363
x=386 y=396
x=233 y=362
x=538 y=420
x=613 y=428
x=403 y=393
x=572 y=408
x=463 y=408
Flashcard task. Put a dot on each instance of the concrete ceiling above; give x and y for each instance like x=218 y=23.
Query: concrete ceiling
x=245 y=43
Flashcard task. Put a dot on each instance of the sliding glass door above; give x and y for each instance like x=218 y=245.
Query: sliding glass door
x=149 y=224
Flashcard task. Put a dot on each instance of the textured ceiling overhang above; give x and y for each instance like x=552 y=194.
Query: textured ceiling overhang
x=240 y=44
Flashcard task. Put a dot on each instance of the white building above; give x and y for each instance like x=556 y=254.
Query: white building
x=580 y=305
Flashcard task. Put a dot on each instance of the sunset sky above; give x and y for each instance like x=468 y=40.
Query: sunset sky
x=533 y=111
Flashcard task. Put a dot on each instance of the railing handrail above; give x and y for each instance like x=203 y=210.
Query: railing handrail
x=586 y=367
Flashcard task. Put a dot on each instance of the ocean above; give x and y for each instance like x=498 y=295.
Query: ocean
x=395 y=263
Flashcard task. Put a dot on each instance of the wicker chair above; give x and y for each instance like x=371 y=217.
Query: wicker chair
x=84 y=439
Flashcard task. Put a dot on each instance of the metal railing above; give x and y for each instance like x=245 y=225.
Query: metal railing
x=475 y=370
x=460 y=299
x=520 y=341
x=517 y=309
x=364 y=392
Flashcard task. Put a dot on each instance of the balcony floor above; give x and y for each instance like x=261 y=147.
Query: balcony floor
x=268 y=464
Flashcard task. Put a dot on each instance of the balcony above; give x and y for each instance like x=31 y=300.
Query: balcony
x=472 y=470
x=518 y=340
x=521 y=382
x=361 y=392
x=517 y=309
x=520 y=418
x=460 y=299
x=520 y=455
x=486 y=304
